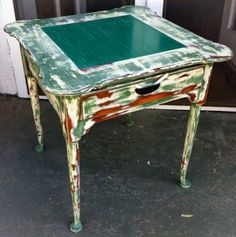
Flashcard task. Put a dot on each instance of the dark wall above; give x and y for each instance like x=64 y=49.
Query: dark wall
x=200 y=16
x=45 y=8
x=99 y=5
x=67 y=7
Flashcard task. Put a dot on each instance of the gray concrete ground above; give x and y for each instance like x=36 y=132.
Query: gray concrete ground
x=129 y=176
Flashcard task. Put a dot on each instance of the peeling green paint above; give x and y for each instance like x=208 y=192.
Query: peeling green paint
x=61 y=76
x=123 y=95
x=82 y=98
x=126 y=94
x=33 y=90
x=190 y=134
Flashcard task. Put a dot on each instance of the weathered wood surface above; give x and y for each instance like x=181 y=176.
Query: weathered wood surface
x=83 y=97
x=61 y=76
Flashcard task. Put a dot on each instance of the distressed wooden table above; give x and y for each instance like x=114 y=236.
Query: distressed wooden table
x=97 y=66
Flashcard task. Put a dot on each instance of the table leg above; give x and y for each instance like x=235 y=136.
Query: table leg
x=188 y=145
x=129 y=121
x=34 y=98
x=73 y=159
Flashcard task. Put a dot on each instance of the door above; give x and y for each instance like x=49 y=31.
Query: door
x=214 y=21
x=30 y=9
x=228 y=29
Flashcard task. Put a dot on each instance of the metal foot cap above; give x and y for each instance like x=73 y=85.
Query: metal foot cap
x=185 y=184
x=75 y=227
x=129 y=123
x=39 y=148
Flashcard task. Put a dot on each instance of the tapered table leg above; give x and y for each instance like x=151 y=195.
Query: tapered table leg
x=188 y=145
x=34 y=97
x=129 y=121
x=73 y=159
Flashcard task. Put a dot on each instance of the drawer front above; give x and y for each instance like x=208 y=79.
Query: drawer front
x=152 y=90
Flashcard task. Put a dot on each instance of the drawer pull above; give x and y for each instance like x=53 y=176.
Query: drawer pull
x=147 y=89
x=150 y=88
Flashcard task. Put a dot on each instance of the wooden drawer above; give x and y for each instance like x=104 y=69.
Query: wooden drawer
x=109 y=103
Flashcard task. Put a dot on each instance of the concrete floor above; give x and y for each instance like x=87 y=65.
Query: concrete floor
x=129 y=176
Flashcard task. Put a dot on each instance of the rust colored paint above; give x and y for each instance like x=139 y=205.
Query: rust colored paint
x=99 y=95
x=34 y=98
x=80 y=109
x=192 y=96
x=77 y=155
x=157 y=69
x=73 y=167
x=108 y=111
x=184 y=75
x=188 y=89
x=188 y=144
x=68 y=126
x=104 y=94
x=216 y=57
x=148 y=99
x=141 y=100
x=67 y=87
x=106 y=103
x=76 y=178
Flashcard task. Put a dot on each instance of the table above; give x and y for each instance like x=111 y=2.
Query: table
x=97 y=66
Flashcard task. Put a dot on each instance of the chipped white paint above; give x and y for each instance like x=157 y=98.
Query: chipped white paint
x=43 y=49
x=79 y=108
x=73 y=113
x=175 y=83
x=88 y=125
x=58 y=80
x=205 y=84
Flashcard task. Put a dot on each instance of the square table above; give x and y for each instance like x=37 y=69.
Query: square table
x=97 y=66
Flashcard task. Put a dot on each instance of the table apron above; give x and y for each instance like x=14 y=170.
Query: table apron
x=112 y=102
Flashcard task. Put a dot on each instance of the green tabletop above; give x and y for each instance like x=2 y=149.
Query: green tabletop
x=106 y=41
x=80 y=53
